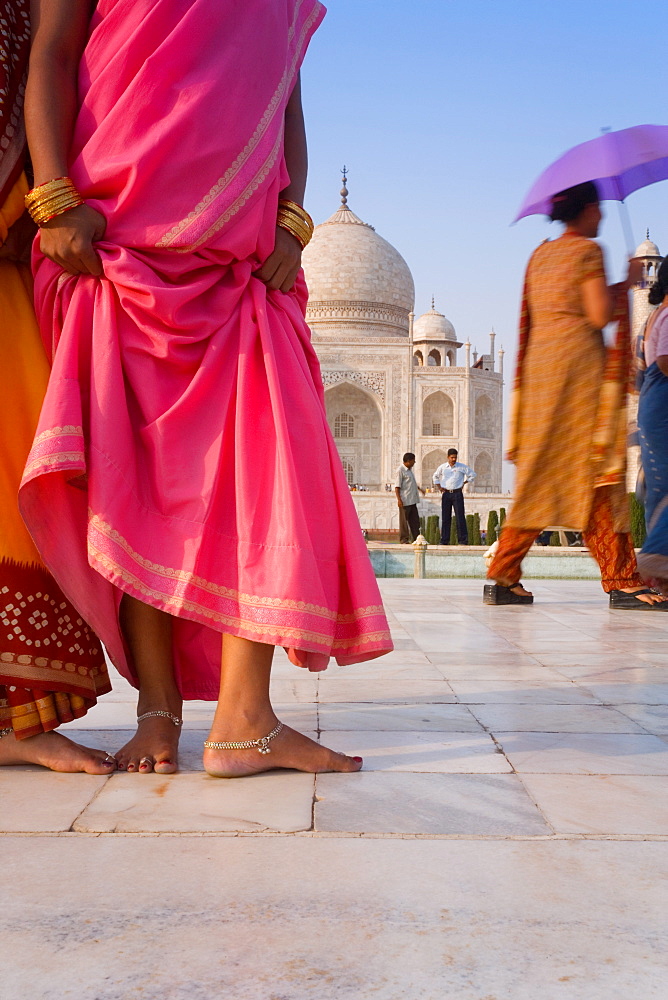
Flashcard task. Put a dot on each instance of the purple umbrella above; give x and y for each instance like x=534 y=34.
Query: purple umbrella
x=618 y=162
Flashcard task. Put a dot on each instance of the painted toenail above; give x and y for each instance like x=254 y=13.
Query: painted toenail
x=358 y=759
x=107 y=763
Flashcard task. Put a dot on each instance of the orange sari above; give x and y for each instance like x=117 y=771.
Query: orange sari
x=51 y=665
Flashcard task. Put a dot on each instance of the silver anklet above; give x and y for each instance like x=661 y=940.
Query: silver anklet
x=260 y=745
x=163 y=715
x=6 y=732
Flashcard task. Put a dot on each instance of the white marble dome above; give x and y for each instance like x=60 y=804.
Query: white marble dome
x=356 y=278
x=647 y=248
x=433 y=325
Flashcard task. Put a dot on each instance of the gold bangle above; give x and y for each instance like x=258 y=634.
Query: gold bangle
x=38 y=195
x=49 y=186
x=300 y=234
x=44 y=207
x=298 y=210
x=292 y=220
x=40 y=215
x=51 y=199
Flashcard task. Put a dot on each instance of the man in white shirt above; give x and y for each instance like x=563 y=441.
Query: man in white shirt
x=451 y=477
x=406 y=490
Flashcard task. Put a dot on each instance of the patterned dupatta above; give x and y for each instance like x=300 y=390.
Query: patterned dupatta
x=609 y=440
x=192 y=92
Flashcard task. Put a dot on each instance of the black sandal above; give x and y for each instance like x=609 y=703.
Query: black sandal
x=619 y=601
x=496 y=593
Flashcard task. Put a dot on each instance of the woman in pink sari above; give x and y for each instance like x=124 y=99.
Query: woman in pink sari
x=185 y=407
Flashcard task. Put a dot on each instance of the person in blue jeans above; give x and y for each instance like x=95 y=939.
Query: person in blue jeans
x=451 y=477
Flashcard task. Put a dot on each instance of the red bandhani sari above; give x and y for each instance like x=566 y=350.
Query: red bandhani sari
x=183 y=454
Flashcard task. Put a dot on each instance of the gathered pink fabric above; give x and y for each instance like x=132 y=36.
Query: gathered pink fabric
x=183 y=454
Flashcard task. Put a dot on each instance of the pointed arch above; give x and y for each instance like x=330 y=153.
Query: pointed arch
x=483 y=470
x=356 y=421
x=484 y=417
x=438 y=415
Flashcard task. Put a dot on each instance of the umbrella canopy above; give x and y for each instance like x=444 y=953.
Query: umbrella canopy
x=618 y=162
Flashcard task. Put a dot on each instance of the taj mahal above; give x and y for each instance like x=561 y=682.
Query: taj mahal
x=395 y=382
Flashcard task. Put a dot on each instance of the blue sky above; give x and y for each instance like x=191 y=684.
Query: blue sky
x=445 y=111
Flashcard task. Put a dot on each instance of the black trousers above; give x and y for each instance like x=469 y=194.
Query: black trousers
x=409 y=518
x=448 y=502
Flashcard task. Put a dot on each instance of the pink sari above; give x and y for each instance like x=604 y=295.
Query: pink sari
x=183 y=454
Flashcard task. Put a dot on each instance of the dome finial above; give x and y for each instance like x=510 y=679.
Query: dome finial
x=647 y=232
x=432 y=303
x=344 y=189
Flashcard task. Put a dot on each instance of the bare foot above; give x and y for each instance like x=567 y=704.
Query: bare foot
x=289 y=749
x=520 y=591
x=646 y=598
x=154 y=747
x=57 y=752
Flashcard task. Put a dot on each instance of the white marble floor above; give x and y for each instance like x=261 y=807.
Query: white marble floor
x=507 y=837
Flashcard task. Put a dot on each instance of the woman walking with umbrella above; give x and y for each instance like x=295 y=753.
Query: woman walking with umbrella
x=568 y=426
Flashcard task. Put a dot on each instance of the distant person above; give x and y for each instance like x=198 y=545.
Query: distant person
x=451 y=477
x=407 y=491
x=568 y=421
x=653 y=433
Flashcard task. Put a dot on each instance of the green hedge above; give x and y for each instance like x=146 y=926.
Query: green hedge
x=432 y=530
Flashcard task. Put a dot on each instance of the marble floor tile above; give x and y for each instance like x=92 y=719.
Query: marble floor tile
x=476 y=658
x=426 y=615
x=457 y=804
x=632 y=670
x=302 y=716
x=495 y=692
x=382 y=718
x=396 y=670
x=602 y=804
x=584 y=753
x=158 y=803
x=105 y=715
x=622 y=693
x=603 y=658
x=653 y=718
x=396 y=658
x=453 y=753
x=42 y=801
x=351 y=919
x=520 y=718
x=387 y=692
x=656 y=657
x=501 y=668
x=287 y=692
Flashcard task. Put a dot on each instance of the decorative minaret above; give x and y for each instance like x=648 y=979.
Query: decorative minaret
x=648 y=253
x=492 y=338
